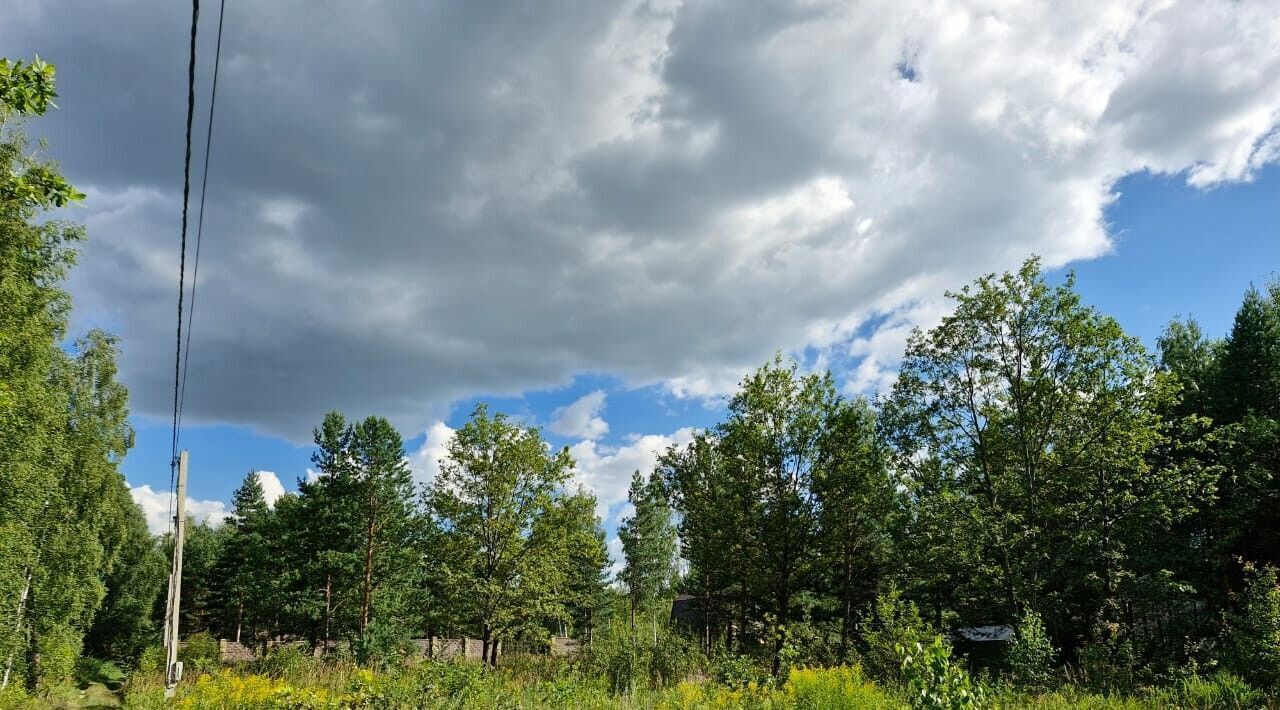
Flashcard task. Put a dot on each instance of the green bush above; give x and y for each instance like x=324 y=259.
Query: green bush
x=199 y=654
x=1108 y=664
x=286 y=661
x=1029 y=658
x=382 y=645
x=1251 y=636
x=628 y=662
x=934 y=682
x=891 y=622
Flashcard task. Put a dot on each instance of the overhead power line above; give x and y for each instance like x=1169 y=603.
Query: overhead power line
x=204 y=191
x=182 y=253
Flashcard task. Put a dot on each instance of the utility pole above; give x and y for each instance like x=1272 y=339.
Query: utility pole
x=172 y=668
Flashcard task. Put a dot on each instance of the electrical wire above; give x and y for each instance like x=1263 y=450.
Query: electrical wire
x=204 y=190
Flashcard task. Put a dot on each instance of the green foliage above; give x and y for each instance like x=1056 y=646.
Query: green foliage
x=199 y=653
x=64 y=508
x=517 y=550
x=1030 y=657
x=833 y=689
x=737 y=671
x=1251 y=636
x=382 y=645
x=26 y=88
x=629 y=662
x=890 y=624
x=1109 y=663
x=648 y=545
x=934 y=682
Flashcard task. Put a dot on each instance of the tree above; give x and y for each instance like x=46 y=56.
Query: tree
x=247 y=566
x=648 y=546
x=1033 y=415
x=711 y=531
x=125 y=626
x=856 y=504
x=772 y=444
x=354 y=519
x=498 y=481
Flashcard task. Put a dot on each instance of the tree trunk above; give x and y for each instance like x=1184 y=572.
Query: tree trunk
x=846 y=610
x=486 y=638
x=328 y=607
x=239 y=620
x=780 y=640
x=366 y=598
x=22 y=604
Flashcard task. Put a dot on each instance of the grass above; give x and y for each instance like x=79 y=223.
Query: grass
x=296 y=681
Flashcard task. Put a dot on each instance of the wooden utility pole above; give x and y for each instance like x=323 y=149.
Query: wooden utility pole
x=173 y=669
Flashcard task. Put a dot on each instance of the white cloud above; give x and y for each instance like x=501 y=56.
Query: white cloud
x=272 y=488
x=425 y=462
x=282 y=213
x=581 y=419
x=665 y=192
x=155 y=506
x=606 y=471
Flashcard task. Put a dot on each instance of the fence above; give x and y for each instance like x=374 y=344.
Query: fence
x=468 y=648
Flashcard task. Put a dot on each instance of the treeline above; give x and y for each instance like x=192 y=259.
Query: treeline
x=1031 y=462
x=500 y=546
x=70 y=535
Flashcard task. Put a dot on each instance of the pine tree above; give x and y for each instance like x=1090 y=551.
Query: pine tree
x=246 y=568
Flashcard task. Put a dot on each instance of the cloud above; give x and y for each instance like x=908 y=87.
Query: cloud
x=410 y=204
x=582 y=418
x=425 y=462
x=617 y=561
x=155 y=506
x=272 y=488
x=606 y=471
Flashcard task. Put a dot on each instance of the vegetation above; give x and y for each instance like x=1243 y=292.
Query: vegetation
x=1034 y=470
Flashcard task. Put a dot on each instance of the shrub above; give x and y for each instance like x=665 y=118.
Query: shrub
x=199 y=654
x=633 y=662
x=833 y=689
x=1109 y=664
x=382 y=645
x=934 y=682
x=1251 y=635
x=285 y=662
x=891 y=622
x=1030 y=656
x=737 y=672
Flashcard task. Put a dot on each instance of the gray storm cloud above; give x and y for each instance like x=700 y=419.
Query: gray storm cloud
x=411 y=203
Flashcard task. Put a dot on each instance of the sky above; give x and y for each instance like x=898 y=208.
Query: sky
x=598 y=216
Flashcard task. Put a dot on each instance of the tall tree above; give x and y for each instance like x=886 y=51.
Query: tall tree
x=385 y=489
x=712 y=532
x=497 y=481
x=856 y=504
x=648 y=546
x=247 y=567
x=773 y=442
x=1038 y=413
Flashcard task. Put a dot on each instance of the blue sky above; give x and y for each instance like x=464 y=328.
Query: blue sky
x=599 y=216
